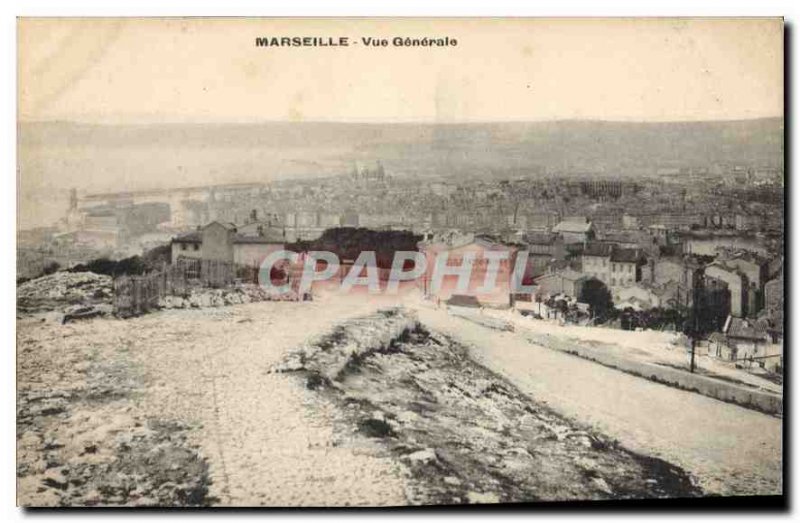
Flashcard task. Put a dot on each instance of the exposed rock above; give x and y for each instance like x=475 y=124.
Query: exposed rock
x=76 y=313
x=601 y=484
x=421 y=456
x=61 y=290
x=407 y=416
x=55 y=478
x=200 y=297
x=482 y=497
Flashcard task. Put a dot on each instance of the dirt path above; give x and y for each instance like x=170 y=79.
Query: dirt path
x=269 y=441
x=266 y=438
x=730 y=450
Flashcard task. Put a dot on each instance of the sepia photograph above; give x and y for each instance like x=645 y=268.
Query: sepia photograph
x=395 y=262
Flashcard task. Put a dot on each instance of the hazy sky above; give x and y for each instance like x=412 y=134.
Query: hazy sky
x=159 y=70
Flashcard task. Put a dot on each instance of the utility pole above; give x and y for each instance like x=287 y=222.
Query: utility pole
x=694 y=327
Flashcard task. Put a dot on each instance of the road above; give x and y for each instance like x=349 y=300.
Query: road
x=269 y=441
x=729 y=449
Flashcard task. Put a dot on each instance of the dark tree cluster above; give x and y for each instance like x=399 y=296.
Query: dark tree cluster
x=133 y=265
x=348 y=242
x=597 y=295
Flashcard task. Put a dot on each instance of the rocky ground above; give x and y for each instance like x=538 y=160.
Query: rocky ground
x=465 y=434
x=81 y=438
x=65 y=292
x=235 y=295
x=74 y=296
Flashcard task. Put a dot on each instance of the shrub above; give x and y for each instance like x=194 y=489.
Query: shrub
x=376 y=428
x=133 y=265
x=50 y=268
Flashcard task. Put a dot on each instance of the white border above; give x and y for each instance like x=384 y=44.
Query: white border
x=495 y=8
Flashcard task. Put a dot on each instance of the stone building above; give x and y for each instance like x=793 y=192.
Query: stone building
x=614 y=266
x=736 y=283
x=223 y=242
x=567 y=282
x=575 y=230
x=477 y=249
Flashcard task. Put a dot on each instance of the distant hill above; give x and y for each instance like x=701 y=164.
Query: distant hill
x=55 y=156
x=589 y=144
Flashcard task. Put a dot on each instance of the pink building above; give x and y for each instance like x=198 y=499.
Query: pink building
x=443 y=261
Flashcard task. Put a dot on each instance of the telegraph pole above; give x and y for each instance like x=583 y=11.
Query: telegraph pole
x=694 y=327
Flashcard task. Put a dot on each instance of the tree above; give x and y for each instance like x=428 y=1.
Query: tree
x=156 y=257
x=127 y=266
x=597 y=295
x=349 y=242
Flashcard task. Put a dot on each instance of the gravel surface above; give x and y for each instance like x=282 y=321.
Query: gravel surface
x=730 y=450
x=268 y=440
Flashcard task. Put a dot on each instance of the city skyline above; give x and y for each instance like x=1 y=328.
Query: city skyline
x=97 y=158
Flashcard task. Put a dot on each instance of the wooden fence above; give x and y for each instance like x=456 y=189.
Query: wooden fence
x=135 y=295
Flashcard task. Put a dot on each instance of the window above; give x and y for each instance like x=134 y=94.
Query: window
x=183 y=246
x=196 y=246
